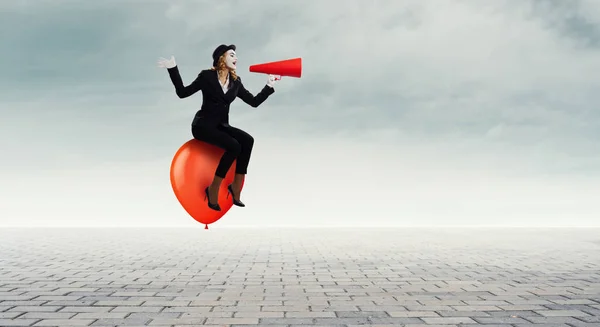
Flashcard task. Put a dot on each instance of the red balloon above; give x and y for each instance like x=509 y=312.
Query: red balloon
x=192 y=170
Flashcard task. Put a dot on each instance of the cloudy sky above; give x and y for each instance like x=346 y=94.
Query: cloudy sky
x=420 y=112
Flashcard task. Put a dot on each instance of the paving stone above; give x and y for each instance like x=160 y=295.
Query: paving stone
x=120 y=322
x=49 y=315
x=310 y=314
x=499 y=320
x=17 y=322
x=289 y=321
x=130 y=309
x=449 y=320
x=78 y=309
x=235 y=308
x=11 y=315
x=594 y=319
x=34 y=308
x=446 y=313
x=341 y=321
x=412 y=314
x=259 y=314
x=304 y=277
x=195 y=321
x=232 y=321
x=552 y=320
x=583 y=324
x=64 y=322
x=562 y=313
x=362 y=314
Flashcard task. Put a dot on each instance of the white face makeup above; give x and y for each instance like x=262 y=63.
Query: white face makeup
x=230 y=59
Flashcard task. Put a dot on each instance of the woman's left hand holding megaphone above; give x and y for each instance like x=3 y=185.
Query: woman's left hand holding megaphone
x=272 y=79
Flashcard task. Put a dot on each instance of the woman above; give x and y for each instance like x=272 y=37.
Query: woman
x=220 y=85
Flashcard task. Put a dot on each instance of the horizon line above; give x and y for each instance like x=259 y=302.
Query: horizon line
x=199 y=225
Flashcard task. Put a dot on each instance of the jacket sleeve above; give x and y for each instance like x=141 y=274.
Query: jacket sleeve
x=181 y=90
x=251 y=99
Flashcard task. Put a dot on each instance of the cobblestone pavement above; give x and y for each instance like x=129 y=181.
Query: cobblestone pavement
x=317 y=277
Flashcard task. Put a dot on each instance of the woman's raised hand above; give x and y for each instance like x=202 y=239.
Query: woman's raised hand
x=167 y=63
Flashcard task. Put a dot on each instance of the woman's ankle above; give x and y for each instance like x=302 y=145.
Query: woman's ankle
x=216 y=184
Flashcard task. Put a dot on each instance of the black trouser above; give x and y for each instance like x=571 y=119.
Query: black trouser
x=236 y=143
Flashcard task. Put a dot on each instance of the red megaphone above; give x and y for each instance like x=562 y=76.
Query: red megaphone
x=289 y=67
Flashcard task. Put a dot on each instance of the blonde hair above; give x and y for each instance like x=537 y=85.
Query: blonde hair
x=221 y=67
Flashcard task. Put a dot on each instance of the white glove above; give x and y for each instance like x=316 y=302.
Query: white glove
x=272 y=79
x=167 y=63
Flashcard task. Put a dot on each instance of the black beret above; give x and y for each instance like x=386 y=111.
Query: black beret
x=219 y=51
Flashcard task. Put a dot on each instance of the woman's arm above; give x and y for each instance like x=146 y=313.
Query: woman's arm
x=252 y=100
x=181 y=90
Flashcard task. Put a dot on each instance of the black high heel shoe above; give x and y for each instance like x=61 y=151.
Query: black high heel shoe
x=215 y=207
x=236 y=202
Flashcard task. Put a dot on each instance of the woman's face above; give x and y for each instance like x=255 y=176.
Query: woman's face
x=230 y=59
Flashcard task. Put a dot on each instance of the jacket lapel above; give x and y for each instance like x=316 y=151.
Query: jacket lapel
x=214 y=81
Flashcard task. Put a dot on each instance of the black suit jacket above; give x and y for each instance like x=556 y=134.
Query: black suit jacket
x=215 y=103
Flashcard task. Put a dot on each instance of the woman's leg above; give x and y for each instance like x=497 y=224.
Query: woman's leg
x=246 y=142
x=215 y=136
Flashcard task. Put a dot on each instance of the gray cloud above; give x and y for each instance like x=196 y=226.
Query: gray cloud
x=575 y=21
